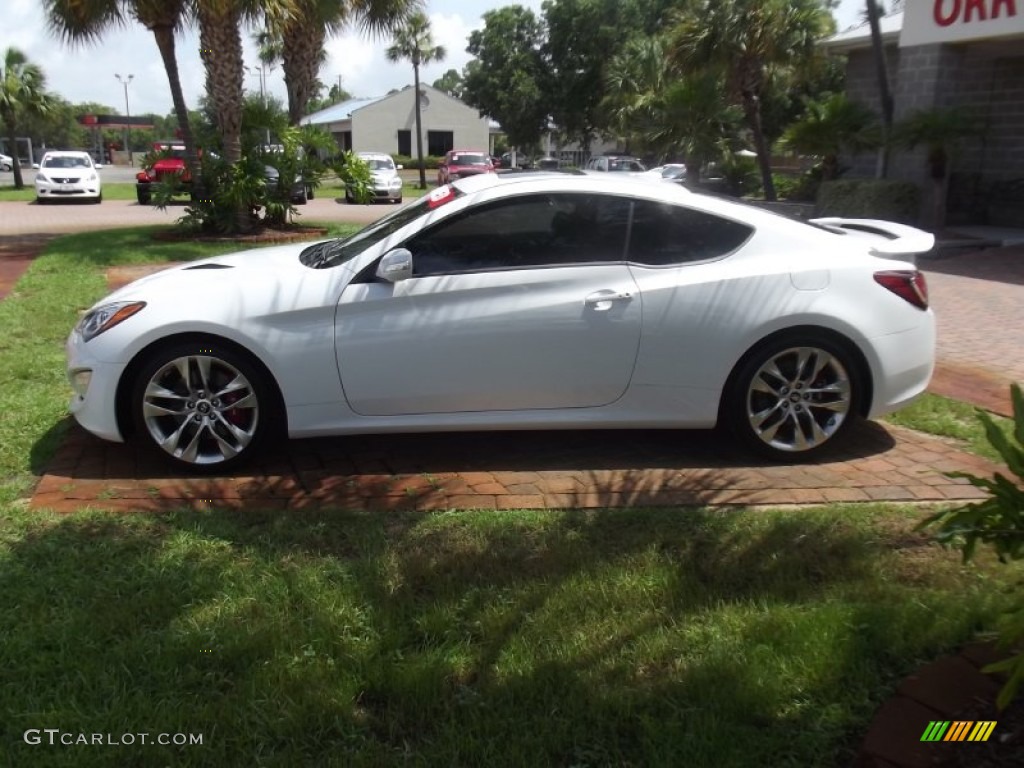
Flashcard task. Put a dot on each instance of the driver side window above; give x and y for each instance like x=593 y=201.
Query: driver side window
x=528 y=231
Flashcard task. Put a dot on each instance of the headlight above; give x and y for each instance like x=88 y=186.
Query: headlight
x=92 y=177
x=395 y=183
x=42 y=178
x=101 y=319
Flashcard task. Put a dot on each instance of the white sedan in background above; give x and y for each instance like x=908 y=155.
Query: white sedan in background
x=6 y=162
x=518 y=302
x=68 y=176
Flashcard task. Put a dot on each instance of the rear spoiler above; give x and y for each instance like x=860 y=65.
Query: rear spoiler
x=887 y=237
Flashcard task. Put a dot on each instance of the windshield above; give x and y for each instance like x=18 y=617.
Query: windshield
x=377 y=164
x=625 y=164
x=469 y=159
x=66 y=162
x=335 y=252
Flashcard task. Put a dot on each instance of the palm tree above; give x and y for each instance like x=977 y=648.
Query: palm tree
x=884 y=91
x=830 y=126
x=87 y=21
x=302 y=28
x=414 y=41
x=745 y=39
x=22 y=91
x=941 y=132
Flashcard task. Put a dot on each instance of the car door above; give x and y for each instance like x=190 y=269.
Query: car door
x=519 y=304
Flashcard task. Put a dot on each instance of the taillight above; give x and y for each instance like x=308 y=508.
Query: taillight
x=909 y=285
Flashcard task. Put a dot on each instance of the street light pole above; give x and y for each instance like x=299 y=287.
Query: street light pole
x=128 y=116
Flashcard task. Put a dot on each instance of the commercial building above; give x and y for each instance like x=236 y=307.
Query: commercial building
x=941 y=54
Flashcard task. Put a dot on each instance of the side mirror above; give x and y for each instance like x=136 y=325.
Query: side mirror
x=99 y=166
x=399 y=167
x=395 y=265
x=35 y=166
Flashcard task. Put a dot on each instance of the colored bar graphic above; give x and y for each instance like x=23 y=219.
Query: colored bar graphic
x=935 y=731
x=982 y=730
x=958 y=730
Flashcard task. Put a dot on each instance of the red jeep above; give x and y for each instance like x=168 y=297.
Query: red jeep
x=171 y=163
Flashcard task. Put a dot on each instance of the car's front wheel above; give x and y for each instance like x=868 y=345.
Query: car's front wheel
x=202 y=405
x=793 y=396
x=142 y=195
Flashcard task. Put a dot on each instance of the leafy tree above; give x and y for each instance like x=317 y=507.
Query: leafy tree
x=830 y=126
x=22 y=93
x=302 y=28
x=583 y=36
x=87 y=21
x=413 y=41
x=451 y=83
x=508 y=80
x=746 y=39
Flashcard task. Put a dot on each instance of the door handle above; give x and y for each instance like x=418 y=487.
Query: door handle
x=601 y=301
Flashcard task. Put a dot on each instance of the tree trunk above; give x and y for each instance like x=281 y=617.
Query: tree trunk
x=12 y=143
x=752 y=109
x=221 y=41
x=164 y=35
x=885 y=95
x=419 y=123
x=303 y=40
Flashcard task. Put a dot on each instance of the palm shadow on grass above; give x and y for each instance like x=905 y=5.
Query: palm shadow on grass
x=586 y=638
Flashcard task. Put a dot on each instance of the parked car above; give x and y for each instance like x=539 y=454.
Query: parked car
x=615 y=164
x=67 y=175
x=301 y=190
x=6 y=163
x=674 y=173
x=460 y=163
x=518 y=301
x=170 y=164
x=385 y=181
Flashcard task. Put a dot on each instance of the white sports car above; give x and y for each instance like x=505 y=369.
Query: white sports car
x=518 y=302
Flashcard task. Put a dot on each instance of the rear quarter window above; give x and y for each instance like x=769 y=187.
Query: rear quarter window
x=663 y=234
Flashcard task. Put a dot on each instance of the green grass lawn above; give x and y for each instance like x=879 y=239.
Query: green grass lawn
x=121 y=190
x=515 y=638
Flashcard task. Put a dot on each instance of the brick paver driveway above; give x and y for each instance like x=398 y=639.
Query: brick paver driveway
x=978 y=298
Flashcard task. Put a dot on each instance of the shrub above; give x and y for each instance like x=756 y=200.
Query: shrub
x=998 y=521
x=430 y=162
x=869 y=199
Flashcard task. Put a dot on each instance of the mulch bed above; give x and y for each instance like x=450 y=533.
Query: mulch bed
x=259 y=237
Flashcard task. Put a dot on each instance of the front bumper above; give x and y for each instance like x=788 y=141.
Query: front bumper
x=70 y=189
x=95 y=408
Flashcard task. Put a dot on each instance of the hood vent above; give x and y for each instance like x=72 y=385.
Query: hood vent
x=211 y=266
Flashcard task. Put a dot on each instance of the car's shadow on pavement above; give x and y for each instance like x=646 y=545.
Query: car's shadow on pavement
x=456 y=452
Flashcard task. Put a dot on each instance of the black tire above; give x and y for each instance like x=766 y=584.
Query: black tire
x=348 y=199
x=810 y=408
x=300 y=199
x=203 y=430
x=143 y=195
x=41 y=201
x=310 y=194
x=99 y=199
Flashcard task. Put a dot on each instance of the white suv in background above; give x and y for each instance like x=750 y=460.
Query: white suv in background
x=386 y=183
x=68 y=175
x=615 y=164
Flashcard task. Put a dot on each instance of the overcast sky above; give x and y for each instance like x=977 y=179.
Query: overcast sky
x=86 y=73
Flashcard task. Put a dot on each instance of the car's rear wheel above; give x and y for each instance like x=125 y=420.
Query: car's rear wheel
x=794 y=395
x=202 y=405
x=301 y=197
x=142 y=195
